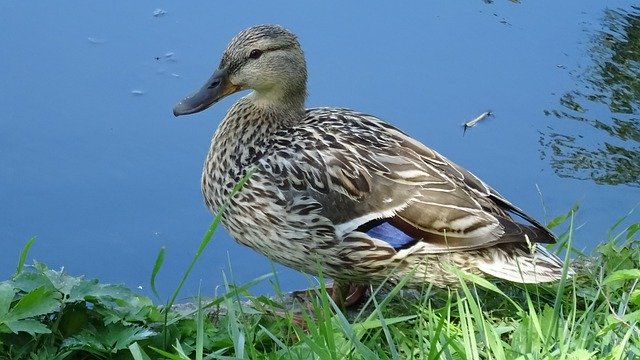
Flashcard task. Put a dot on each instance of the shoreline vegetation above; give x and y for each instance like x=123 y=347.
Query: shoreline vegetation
x=49 y=314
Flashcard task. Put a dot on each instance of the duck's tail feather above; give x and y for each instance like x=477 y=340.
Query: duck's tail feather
x=519 y=263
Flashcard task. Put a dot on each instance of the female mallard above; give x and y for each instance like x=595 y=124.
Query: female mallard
x=345 y=193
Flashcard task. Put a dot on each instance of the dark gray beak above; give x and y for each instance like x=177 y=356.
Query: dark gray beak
x=217 y=87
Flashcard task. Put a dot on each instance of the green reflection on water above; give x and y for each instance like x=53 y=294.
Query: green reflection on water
x=610 y=154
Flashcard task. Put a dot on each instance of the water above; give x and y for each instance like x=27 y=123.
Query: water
x=93 y=162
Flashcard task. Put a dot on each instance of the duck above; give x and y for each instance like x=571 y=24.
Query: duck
x=345 y=194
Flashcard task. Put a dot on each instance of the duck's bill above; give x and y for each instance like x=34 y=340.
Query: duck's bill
x=217 y=87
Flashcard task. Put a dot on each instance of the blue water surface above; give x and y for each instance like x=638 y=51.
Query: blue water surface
x=94 y=164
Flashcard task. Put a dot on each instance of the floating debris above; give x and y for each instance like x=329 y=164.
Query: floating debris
x=473 y=122
x=159 y=12
x=137 y=92
x=168 y=56
x=175 y=75
x=95 y=40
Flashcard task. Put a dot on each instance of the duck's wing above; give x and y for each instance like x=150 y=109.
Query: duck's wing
x=370 y=177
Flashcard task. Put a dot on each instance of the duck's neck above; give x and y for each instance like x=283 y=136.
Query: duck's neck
x=240 y=139
x=250 y=122
x=285 y=100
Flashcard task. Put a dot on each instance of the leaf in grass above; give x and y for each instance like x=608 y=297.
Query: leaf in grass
x=632 y=318
x=112 y=338
x=634 y=298
x=61 y=281
x=131 y=334
x=37 y=302
x=6 y=297
x=29 y=280
x=626 y=274
x=617 y=257
x=550 y=322
x=93 y=291
x=376 y=323
x=562 y=218
x=30 y=326
x=581 y=354
x=614 y=321
x=48 y=352
x=632 y=230
x=87 y=339
x=620 y=349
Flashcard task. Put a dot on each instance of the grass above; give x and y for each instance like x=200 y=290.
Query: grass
x=49 y=314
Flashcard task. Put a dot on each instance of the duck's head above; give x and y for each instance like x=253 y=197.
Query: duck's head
x=265 y=58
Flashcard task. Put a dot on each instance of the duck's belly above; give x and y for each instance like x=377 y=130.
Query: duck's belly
x=300 y=240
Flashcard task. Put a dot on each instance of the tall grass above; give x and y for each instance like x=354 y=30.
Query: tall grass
x=46 y=314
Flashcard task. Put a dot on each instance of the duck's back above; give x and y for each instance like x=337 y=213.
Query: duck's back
x=372 y=169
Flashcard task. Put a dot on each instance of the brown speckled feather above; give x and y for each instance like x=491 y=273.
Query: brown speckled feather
x=370 y=168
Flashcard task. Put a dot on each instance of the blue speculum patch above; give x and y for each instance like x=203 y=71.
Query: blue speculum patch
x=385 y=231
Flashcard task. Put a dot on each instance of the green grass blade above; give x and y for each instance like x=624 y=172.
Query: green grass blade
x=390 y=296
x=557 y=304
x=618 y=222
x=168 y=355
x=137 y=352
x=438 y=333
x=482 y=282
x=349 y=332
x=468 y=331
x=387 y=335
x=203 y=244
x=562 y=218
x=535 y=320
x=23 y=255
x=235 y=326
x=275 y=339
x=376 y=323
x=325 y=324
x=156 y=268
x=199 y=328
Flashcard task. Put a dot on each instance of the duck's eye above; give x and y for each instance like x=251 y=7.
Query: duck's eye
x=255 y=53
